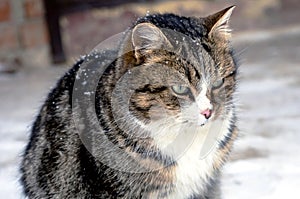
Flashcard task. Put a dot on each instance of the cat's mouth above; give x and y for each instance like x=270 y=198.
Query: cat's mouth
x=197 y=123
x=203 y=123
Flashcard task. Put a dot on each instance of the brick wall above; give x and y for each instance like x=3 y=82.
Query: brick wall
x=22 y=34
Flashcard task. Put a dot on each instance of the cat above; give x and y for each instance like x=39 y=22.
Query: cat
x=153 y=117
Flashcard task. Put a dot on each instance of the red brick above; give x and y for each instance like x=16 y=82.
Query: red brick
x=8 y=38
x=33 y=34
x=33 y=8
x=4 y=10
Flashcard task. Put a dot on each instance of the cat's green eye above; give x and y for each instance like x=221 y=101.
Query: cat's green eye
x=180 y=90
x=218 y=83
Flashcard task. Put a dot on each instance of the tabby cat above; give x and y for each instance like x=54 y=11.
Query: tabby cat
x=152 y=117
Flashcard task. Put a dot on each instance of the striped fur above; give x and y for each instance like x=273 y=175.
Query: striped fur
x=171 y=150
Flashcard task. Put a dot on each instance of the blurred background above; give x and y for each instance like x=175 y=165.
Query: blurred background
x=41 y=39
x=38 y=33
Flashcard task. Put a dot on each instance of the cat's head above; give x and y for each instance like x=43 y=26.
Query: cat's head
x=181 y=70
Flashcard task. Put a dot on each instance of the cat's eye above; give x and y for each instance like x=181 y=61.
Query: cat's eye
x=180 y=90
x=218 y=83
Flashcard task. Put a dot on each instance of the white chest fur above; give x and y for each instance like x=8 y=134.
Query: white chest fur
x=193 y=166
x=195 y=151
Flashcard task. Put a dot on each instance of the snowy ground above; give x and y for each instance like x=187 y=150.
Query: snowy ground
x=265 y=163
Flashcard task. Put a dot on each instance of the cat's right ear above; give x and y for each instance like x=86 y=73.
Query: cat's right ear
x=147 y=37
x=218 y=23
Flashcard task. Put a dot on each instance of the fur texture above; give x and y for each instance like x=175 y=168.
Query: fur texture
x=165 y=101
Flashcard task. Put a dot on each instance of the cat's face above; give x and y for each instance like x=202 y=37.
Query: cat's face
x=181 y=80
x=183 y=92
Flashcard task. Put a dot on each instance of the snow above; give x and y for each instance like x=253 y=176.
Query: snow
x=265 y=162
x=21 y=96
x=269 y=121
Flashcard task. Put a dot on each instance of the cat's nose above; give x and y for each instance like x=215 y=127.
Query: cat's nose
x=206 y=113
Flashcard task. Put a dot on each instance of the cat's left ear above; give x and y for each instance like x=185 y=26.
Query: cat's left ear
x=146 y=36
x=218 y=23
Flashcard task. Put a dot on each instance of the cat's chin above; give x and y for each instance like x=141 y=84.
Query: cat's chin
x=202 y=123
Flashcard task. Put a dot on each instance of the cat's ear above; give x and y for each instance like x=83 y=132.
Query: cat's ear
x=146 y=36
x=218 y=23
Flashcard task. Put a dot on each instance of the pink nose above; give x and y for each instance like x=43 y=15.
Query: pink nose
x=206 y=113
